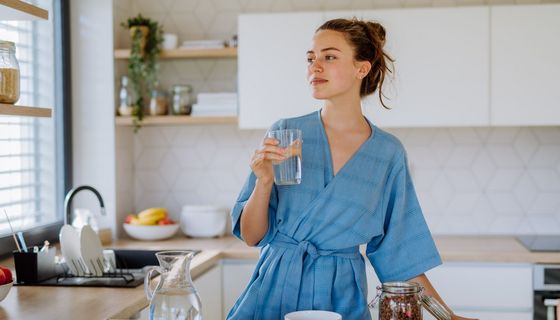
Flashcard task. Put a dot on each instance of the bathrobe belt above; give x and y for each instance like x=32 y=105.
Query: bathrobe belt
x=294 y=277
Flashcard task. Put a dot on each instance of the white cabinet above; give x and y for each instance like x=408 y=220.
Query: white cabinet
x=499 y=291
x=441 y=68
x=525 y=65
x=486 y=290
x=272 y=67
x=236 y=277
x=209 y=286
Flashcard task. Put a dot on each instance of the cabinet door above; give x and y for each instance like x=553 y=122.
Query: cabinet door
x=485 y=287
x=525 y=65
x=441 y=67
x=272 y=67
x=236 y=276
x=209 y=286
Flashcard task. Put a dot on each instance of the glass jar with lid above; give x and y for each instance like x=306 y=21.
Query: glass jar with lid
x=158 y=102
x=181 y=101
x=404 y=301
x=9 y=73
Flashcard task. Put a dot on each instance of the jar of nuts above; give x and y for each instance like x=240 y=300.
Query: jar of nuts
x=404 y=301
x=9 y=73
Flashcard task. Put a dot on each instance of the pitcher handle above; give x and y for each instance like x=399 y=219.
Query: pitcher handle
x=148 y=277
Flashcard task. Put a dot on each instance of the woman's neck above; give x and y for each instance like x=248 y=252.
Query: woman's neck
x=344 y=114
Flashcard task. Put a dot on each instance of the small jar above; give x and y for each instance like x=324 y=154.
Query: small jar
x=158 y=103
x=9 y=73
x=181 y=100
x=400 y=301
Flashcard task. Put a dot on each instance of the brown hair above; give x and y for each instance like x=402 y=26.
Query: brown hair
x=367 y=38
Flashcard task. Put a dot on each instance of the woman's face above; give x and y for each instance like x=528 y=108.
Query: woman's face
x=331 y=69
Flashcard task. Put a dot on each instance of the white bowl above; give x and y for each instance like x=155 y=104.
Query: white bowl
x=157 y=232
x=204 y=221
x=4 y=289
x=313 y=315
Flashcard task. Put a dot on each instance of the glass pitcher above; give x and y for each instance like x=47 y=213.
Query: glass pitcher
x=174 y=296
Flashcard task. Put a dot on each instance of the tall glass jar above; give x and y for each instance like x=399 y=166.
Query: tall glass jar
x=9 y=73
x=181 y=102
x=400 y=301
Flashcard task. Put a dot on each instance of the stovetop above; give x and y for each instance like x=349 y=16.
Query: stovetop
x=540 y=242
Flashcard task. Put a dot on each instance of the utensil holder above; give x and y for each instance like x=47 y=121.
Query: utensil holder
x=33 y=267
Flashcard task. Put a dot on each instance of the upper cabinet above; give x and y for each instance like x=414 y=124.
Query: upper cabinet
x=441 y=78
x=272 y=67
x=19 y=10
x=441 y=67
x=525 y=65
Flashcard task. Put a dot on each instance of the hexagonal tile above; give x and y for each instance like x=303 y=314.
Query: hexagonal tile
x=228 y=5
x=253 y=6
x=462 y=156
x=462 y=180
x=307 y=5
x=226 y=137
x=169 y=168
x=545 y=204
x=504 y=179
x=504 y=156
x=546 y=155
x=483 y=133
x=186 y=23
x=421 y=156
x=206 y=12
x=462 y=224
x=502 y=135
x=441 y=146
x=149 y=200
x=224 y=159
x=544 y=224
x=421 y=137
x=505 y=204
x=525 y=144
x=547 y=135
x=188 y=181
x=169 y=134
x=464 y=136
x=424 y=179
x=150 y=158
x=546 y=179
x=442 y=191
x=182 y=6
x=224 y=23
x=505 y=225
x=525 y=191
x=188 y=136
x=462 y=204
x=483 y=168
x=483 y=214
x=525 y=227
x=150 y=6
x=150 y=180
x=150 y=137
x=188 y=158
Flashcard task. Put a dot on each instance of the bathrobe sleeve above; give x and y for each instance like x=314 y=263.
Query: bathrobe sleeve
x=244 y=195
x=406 y=248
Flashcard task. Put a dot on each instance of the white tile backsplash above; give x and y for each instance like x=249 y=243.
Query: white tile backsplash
x=502 y=180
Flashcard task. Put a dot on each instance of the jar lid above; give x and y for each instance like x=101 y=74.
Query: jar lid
x=435 y=308
x=7 y=44
x=401 y=287
x=182 y=87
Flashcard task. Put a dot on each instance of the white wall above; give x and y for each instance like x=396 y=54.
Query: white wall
x=93 y=126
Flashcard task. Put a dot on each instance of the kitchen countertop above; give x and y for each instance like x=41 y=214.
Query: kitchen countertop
x=28 y=302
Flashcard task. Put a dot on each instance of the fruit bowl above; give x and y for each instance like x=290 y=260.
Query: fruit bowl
x=4 y=289
x=155 y=232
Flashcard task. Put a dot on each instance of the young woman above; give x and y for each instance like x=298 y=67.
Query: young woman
x=355 y=189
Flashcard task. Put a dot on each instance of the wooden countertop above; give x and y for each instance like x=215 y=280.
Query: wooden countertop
x=27 y=302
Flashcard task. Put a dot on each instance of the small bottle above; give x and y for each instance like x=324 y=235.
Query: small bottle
x=9 y=73
x=181 y=100
x=125 y=98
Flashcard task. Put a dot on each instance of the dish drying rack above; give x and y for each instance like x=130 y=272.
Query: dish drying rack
x=103 y=269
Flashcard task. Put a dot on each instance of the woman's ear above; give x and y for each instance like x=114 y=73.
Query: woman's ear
x=363 y=69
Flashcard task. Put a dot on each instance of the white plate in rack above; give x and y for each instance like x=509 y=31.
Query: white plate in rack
x=70 y=247
x=91 y=251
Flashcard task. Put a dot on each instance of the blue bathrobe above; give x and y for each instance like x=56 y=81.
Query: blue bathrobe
x=309 y=257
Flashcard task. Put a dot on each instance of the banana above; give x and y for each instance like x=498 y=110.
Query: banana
x=151 y=216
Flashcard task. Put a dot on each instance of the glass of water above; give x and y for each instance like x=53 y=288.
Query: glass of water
x=288 y=171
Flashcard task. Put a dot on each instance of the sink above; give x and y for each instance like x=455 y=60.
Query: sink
x=137 y=259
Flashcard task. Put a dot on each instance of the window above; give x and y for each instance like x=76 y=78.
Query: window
x=31 y=149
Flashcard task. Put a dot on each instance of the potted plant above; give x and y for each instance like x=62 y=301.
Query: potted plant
x=147 y=36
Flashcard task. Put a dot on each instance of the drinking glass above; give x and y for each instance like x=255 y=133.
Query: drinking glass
x=288 y=171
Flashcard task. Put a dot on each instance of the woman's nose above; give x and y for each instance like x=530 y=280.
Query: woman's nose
x=316 y=67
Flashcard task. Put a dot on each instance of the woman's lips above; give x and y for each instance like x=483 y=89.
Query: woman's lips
x=317 y=81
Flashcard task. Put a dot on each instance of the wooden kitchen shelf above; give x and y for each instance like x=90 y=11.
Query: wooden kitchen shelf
x=13 y=110
x=186 y=53
x=175 y=120
x=19 y=10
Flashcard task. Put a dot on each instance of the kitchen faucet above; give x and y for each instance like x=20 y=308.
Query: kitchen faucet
x=70 y=195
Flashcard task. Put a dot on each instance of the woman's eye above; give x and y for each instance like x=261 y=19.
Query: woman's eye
x=330 y=58
x=309 y=60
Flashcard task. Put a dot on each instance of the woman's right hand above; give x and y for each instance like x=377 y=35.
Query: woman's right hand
x=261 y=162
